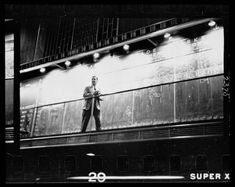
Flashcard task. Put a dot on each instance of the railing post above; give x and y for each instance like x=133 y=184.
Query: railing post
x=63 y=120
x=97 y=29
x=133 y=106
x=35 y=109
x=33 y=122
x=36 y=45
x=74 y=22
x=174 y=94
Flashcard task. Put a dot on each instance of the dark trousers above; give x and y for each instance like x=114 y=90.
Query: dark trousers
x=86 y=116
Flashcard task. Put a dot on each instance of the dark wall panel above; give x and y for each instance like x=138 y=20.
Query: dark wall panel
x=73 y=117
x=205 y=99
x=153 y=106
x=217 y=97
x=49 y=120
x=199 y=99
x=26 y=121
x=121 y=114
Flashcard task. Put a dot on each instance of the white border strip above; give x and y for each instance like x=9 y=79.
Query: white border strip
x=165 y=177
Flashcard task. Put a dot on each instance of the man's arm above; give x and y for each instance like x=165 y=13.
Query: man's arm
x=97 y=93
x=87 y=93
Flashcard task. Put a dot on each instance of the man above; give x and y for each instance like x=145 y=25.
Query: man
x=89 y=92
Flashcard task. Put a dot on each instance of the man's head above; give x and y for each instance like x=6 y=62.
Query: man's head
x=94 y=80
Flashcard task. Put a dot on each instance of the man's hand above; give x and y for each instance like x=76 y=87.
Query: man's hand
x=96 y=93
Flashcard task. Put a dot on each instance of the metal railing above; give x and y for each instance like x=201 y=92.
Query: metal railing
x=36 y=110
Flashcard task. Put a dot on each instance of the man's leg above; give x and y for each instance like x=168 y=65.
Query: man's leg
x=97 y=119
x=85 y=119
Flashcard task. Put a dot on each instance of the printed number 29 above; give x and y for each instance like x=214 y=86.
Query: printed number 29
x=93 y=177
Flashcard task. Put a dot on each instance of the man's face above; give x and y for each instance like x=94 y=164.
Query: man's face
x=94 y=81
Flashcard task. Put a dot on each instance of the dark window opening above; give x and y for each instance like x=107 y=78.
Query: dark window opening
x=128 y=35
x=70 y=163
x=122 y=163
x=18 y=164
x=201 y=163
x=226 y=162
x=149 y=163
x=96 y=163
x=8 y=164
x=175 y=163
x=44 y=164
x=148 y=29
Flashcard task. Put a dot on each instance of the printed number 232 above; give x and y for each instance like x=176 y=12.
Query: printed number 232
x=93 y=177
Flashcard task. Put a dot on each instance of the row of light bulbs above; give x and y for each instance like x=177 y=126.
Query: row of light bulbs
x=96 y=55
x=126 y=47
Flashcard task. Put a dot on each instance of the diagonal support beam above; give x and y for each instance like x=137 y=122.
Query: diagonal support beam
x=61 y=67
x=152 y=42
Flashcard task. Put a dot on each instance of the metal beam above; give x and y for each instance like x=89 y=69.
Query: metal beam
x=61 y=67
x=152 y=42
x=36 y=45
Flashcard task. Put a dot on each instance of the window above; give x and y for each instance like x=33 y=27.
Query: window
x=175 y=163
x=70 y=163
x=18 y=164
x=201 y=162
x=44 y=164
x=226 y=162
x=122 y=163
x=96 y=163
x=149 y=163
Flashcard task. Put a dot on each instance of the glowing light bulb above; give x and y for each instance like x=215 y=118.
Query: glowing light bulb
x=211 y=23
x=42 y=70
x=67 y=63
x=126 y=47
x=96 y=55
x=167 y=35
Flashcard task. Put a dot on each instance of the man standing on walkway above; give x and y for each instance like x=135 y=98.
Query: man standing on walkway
x=92 y=101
